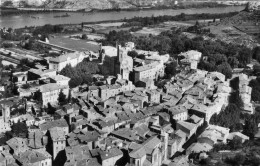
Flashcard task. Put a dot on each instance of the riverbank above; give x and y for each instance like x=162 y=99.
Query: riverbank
x=5 y=11
x=22 y=20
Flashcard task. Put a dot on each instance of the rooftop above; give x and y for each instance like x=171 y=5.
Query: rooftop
x=146 y=67
x=52 y=87
x=31 y=157
x=110 y=153
x=57 y=134
x=57 y=123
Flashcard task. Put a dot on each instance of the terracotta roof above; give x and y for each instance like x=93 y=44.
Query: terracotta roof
x=57 y=123
x=57 y=134
x=51 y=87
x=110 y=153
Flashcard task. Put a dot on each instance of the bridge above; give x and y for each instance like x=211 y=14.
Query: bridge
x=56 y=46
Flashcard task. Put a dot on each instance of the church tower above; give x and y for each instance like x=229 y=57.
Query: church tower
x=6 y=112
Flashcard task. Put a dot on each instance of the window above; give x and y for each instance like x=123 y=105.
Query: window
x=155 y=157
x=138 y=163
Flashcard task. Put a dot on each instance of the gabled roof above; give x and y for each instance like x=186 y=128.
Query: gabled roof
x=64 y=57
x=187 y=125
x=195 y=118
x=52 y=87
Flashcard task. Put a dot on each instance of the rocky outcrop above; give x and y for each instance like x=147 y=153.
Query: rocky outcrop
x=252 y=6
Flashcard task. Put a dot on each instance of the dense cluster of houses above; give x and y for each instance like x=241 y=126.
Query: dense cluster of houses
x=116 y=121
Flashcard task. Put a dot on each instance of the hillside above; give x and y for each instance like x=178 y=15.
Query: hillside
x=87 y=4
x=104 y=4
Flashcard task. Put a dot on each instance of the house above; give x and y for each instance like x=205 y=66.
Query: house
x=175 y=142
x=190 y=58
x=19 y=77
x=58 y=63
x=192 y=55
x=238 y=135
x=50 y=92
x=214 y=134
x=4 y=119
x=197 y=120
x=154 y=96
x=179 y=113
x=36 y=74
x=77 y=154
x=148 y=153
x=146 y=83
x=198 y=147
x=60 y=80
x=18 y=145
x=61 y=123
x=93 y=91
x=34 y=157
x=7 y=159
x=36 y=140
x=110 y=157
x=186 y=127
x=58 y=141
x=180 y=161
x=90 y=138
x=202 y=111
x=149 y=71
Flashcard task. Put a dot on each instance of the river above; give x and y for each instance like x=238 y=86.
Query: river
x=20 y=21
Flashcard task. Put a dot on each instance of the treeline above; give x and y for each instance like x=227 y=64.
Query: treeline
x=81 y=74
x=147 y=21
x=255 y=84
x=218 y=56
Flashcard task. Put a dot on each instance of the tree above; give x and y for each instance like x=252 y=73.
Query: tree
x=50 y=109
x=84 y=37
x=23 y=4
x=7 y=4
x=62 y=99
x=234 y=83
x=233 y=62
x=33 y=111
x=250 y=127
x=81 y=74
x=132 y=54
x=235 y=144
x=255 y=84
x=236 y=99
x=205 y=161
x=170 y=69
x=244 y=56
x=256 y=53
x=20 y=129
x=227 y=118
x=25 y=86
x=225 y=69
x=238 y=159
x=37 y=96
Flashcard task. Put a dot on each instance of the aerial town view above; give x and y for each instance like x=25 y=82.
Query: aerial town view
x=129 y=82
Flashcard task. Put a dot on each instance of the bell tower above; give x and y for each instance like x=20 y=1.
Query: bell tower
x=6 y=112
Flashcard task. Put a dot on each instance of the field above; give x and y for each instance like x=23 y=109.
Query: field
x=74 y=44
x=156 y=30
